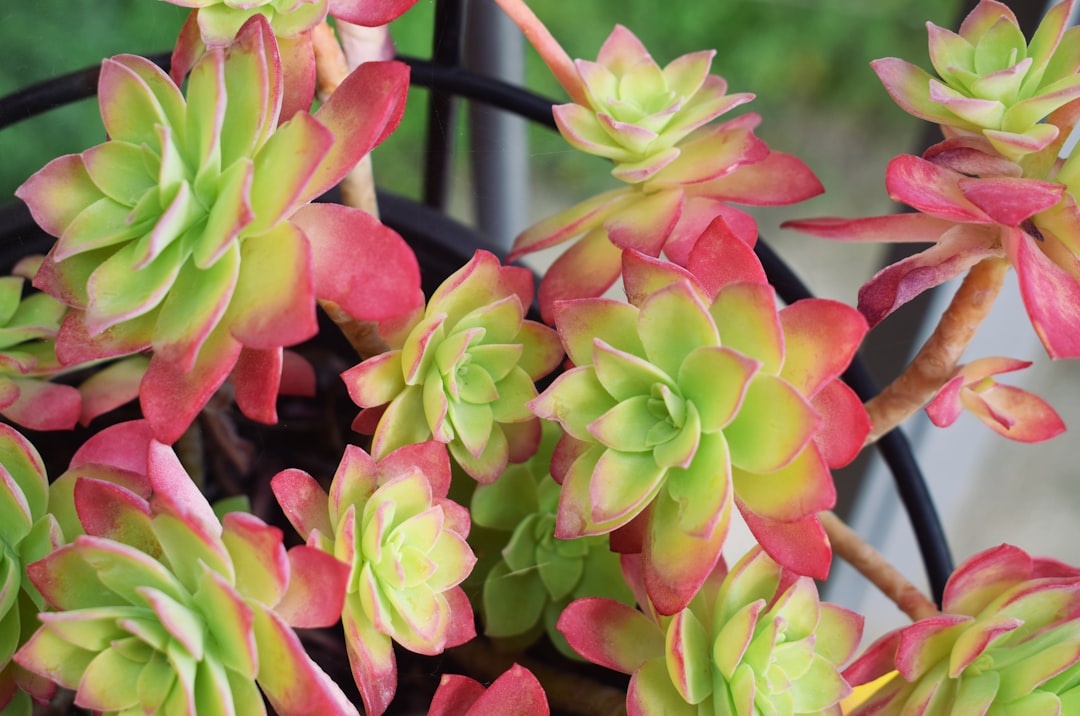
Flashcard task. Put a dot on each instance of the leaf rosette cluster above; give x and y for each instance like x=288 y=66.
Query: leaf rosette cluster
x=157 y=606
x=991 y=81
x=1005 y=642
x=688 y=400
x=754 y=640
x=537 y=574
x=405 y=546
x=170 y=232
x=461 y=372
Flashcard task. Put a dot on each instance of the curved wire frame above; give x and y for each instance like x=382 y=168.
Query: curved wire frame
x=450 y=244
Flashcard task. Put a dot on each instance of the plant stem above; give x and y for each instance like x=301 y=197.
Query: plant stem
x=551 y=52
x=872 y=565
x=357 y=188
x=566 y=691
x=939 y=356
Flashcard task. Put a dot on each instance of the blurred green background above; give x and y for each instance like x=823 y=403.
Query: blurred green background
x=805 y=59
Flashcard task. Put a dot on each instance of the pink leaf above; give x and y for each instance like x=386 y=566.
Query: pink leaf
x=956 y=252
x=292 y=682
x=371 y=657
x=845 y=423
x=586 y=269
x=820 y=340
x=364 y=109
x=610 y=634
x=41 y=405
x=316 y=593
x=370 y=13
x=801 y=546
x=303 y=500
x=1051 y=295
x=171 y=397
x=256 y=378
x=894 y=228
x=381 y=278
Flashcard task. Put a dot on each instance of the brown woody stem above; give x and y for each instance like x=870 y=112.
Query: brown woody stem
x=357 y=188
x=939 y=356
x=872 y=565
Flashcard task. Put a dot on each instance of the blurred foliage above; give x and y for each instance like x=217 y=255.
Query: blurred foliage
x=801 y=57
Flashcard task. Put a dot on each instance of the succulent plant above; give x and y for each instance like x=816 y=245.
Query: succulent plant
x=538 y=574
x=214 y=24
x=694 y=396
x=27 y=533
x=1011 y=412
x=1005 y=642
x=405 y=546
x=171 y=231
x=681 y=174
x=28 y=356
x=515 y=692
x=160 y=607
x=461 y=372
x=754 y=640
x=991 y=80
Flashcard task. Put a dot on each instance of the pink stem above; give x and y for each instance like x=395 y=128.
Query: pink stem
x=551 y=52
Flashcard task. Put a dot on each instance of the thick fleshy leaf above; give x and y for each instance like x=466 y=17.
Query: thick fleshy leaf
x=364 y=109
x=586 y=269
x=258 y=555
x=171 y=397
x=676 y=563
x=746 y=318
x=651 y=692
x=264 y=319
x=611 y=634
x=256 y=381
x=845 y=423
x=820 y=340
x=369 y=13
x=303 y=500
x=384 y=279
x=1051 y=296
x=776 y=180
x=292 y=682
x=802 y=487
x=41 y=405
x=316 y=593
x=59 y=192
x=672 y=323
x=586 y=216
x=774 y=424
x=956 y=252
x=801 y=546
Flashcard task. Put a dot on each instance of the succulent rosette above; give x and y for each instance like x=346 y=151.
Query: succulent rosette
x=1005 y=642
x=28 y=329
x=974 y=205
x=461 y=372
x=991 y=81
x=650 y=121
x=515 y=692
x=172 y=231
x=405 y=544
x=537 y=574
x=638 y=112
x=694 y=396
x=1009 y=411
x=27 y=533
x=754 y=640
x=160 y=607
x=214 y=24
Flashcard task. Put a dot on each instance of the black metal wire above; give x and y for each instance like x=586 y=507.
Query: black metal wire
x=894 y=447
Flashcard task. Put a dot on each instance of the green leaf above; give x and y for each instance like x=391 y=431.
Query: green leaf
x=513 y=601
